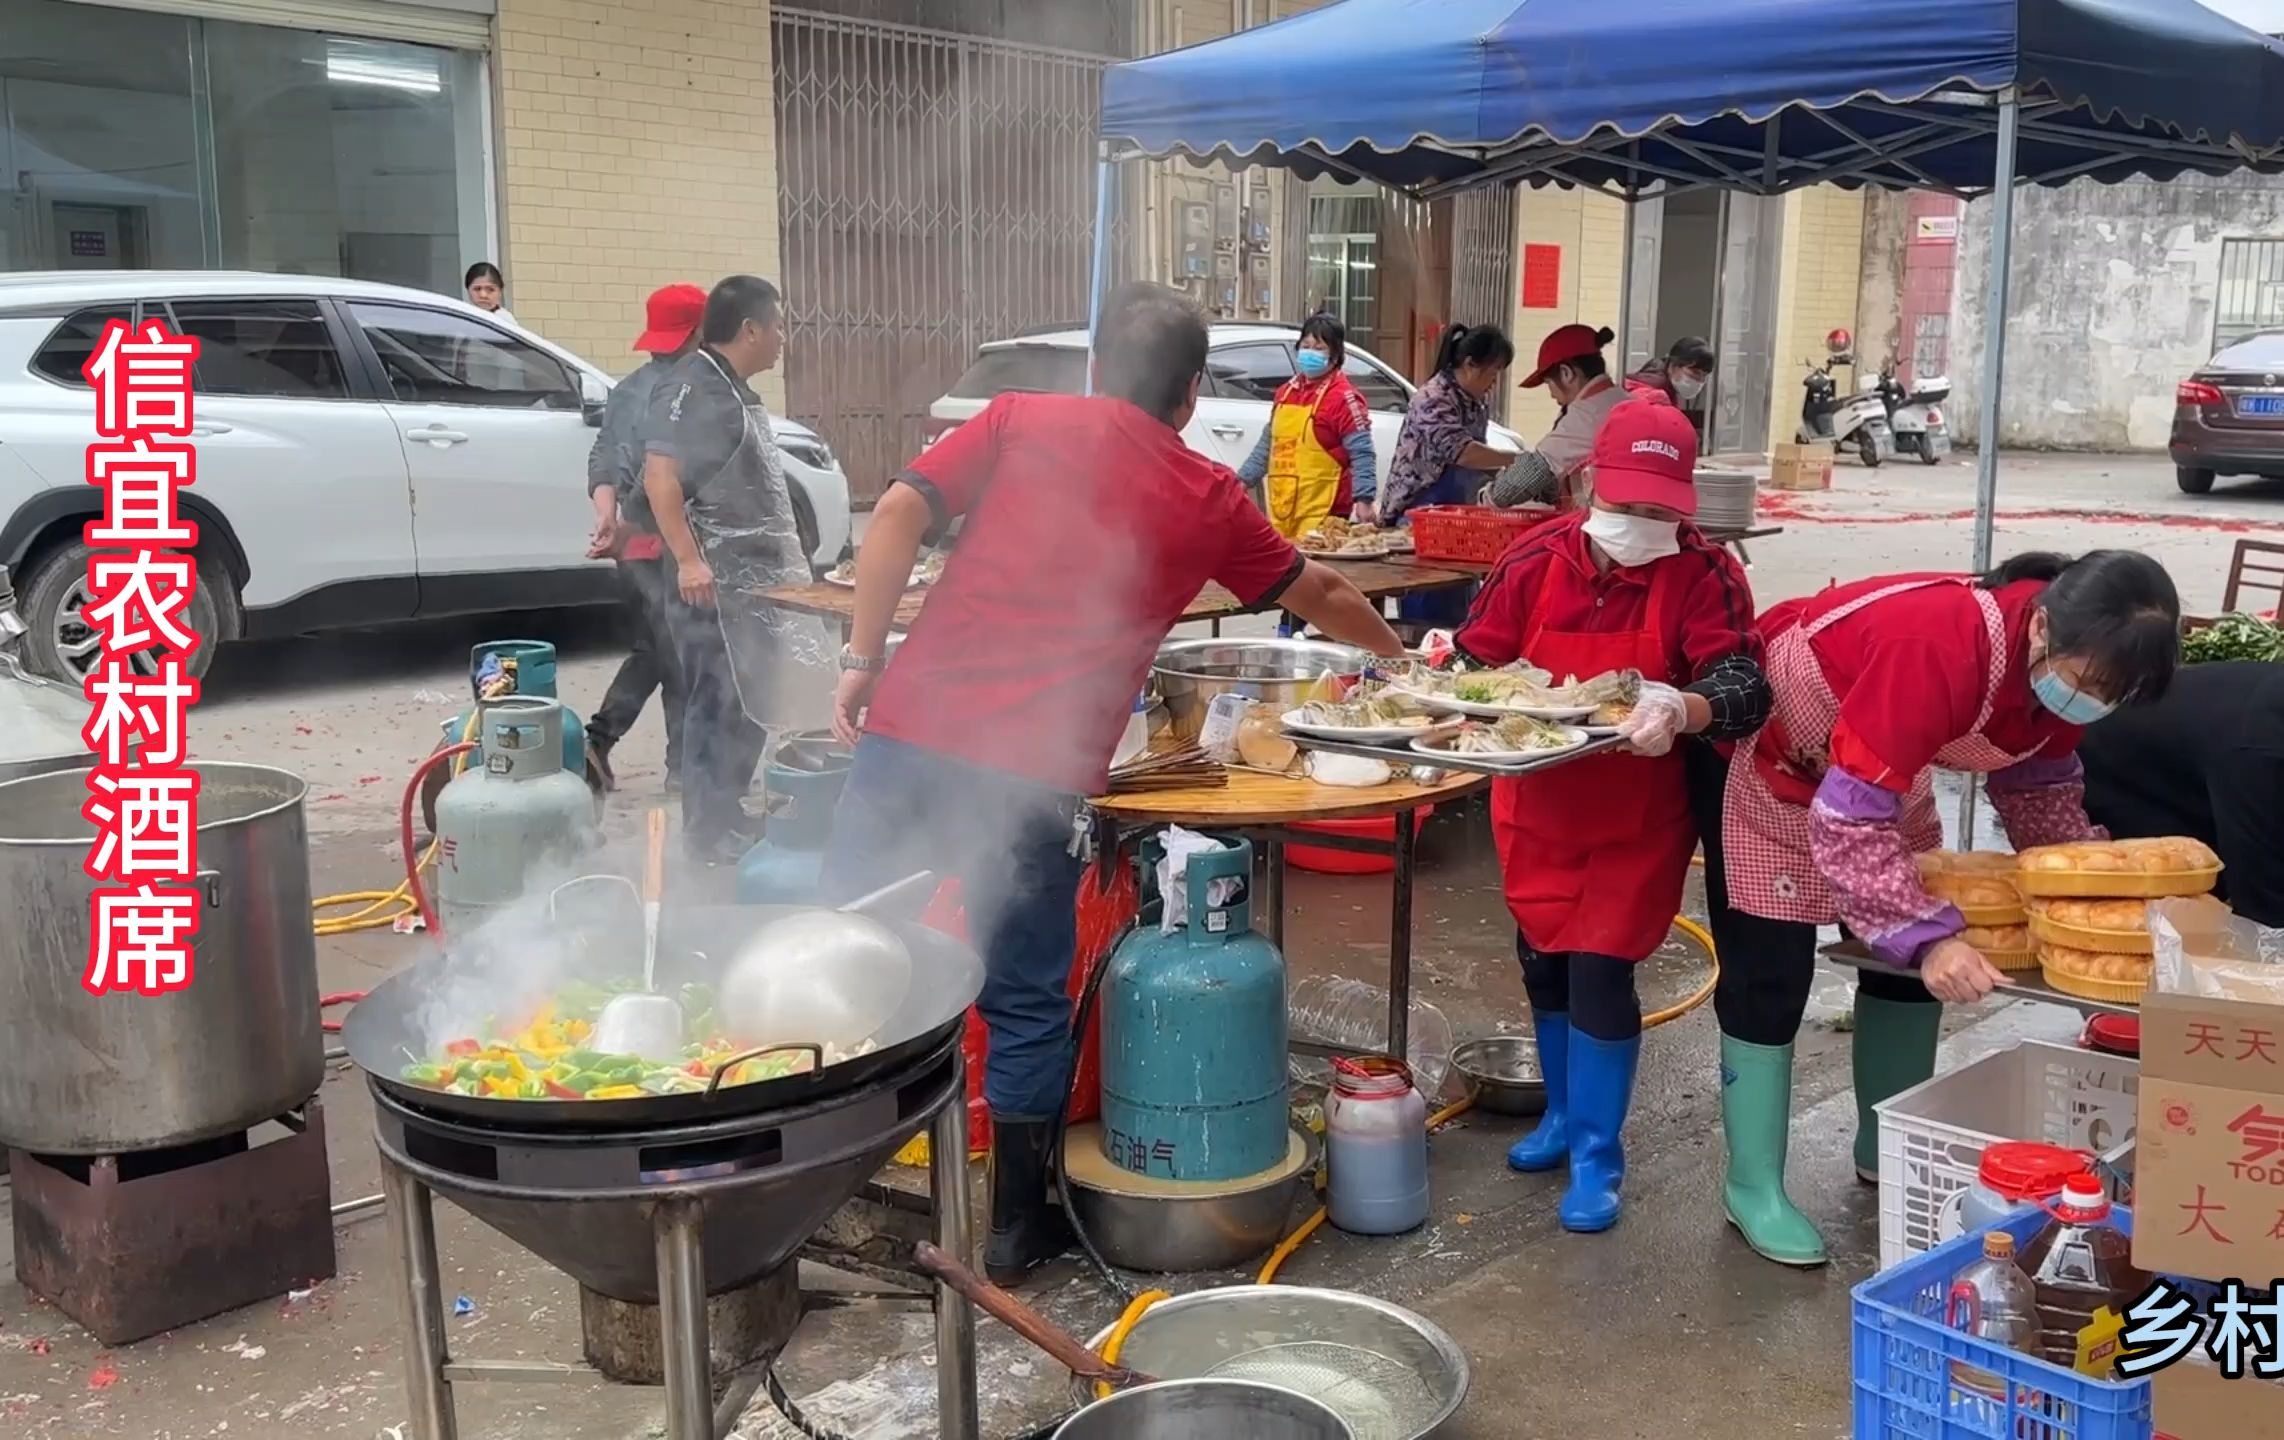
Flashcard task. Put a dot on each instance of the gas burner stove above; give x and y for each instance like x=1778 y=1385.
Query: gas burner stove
x=682 y=1238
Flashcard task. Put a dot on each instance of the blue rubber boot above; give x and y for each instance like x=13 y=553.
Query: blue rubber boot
x=1548 y=1147
x=1601 y=1091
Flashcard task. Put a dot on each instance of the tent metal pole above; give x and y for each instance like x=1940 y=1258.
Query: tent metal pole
x=1624 y=327
x=1994 y=327
x=1105 y=177
x=1994 y=373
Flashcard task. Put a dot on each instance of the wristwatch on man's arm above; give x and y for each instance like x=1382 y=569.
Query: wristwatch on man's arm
x=865 y=664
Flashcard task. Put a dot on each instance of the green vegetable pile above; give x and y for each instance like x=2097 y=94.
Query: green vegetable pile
x=2233 y=637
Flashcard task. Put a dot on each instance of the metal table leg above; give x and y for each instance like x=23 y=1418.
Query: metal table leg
x=956 y=1410
x=1400 y=940
x=1273 y=891
x=412 y=1229
x=684 y=1348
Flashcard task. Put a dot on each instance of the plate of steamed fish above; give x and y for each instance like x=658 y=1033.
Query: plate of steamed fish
x=1371 y=715
x=1509 y=740
x=1522 y=689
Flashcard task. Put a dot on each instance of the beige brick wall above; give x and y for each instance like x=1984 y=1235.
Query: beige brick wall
x=1590 y=228
x=1817 y=291
x=638 y=148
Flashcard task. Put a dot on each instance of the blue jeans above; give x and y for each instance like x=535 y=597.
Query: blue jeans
x=1007 y=841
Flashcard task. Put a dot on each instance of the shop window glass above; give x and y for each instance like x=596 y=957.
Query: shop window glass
x=339 y=156
x=98 y=148
x=300 y=153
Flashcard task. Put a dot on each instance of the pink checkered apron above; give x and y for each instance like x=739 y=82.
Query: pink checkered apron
x=1765 y=840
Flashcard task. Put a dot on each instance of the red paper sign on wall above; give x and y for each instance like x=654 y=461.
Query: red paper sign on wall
x=1542 y=277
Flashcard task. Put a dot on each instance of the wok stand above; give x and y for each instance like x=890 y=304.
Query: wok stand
x=432 y=1373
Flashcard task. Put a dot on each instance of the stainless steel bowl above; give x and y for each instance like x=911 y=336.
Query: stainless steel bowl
x=1186 y=1409
x=1190 y=673
x=1504 y=1071
x=1390 y=1374
x=1161 y=1234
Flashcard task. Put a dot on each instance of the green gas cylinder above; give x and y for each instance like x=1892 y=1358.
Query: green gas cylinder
x=1193 y=1037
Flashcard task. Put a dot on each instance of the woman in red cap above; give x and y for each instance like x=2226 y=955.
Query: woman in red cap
x=623 y=531
x=1556 y=470
x=1595 y=853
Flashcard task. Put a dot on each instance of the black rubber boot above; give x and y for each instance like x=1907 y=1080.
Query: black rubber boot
x=1027 y=1225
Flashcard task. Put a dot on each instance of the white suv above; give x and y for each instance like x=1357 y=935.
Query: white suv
x=366 y=454
x=1244 y=366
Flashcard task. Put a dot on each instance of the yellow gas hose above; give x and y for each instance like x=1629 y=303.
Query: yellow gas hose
x=382 y=908
x=1285 y=1248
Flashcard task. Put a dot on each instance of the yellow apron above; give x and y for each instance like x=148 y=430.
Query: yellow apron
x=1304 y=477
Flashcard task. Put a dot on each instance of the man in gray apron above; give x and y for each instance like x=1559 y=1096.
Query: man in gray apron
x=717 y=491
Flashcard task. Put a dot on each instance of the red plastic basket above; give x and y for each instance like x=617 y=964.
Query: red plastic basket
x=1476 y=534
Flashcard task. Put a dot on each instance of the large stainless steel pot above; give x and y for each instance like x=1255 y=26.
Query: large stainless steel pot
x=40 y=721
x=1190 y=673
x=88 y=1074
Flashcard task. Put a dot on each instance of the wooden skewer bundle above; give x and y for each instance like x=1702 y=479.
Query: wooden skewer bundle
x=1184 y=767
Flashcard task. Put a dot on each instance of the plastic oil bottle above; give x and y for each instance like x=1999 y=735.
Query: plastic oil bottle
x=1993 y=1300
x=2082 y=1266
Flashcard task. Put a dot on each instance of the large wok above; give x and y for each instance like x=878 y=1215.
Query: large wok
x=407 y=1016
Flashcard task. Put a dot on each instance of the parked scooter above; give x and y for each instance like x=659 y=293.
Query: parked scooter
x=1854 y=422
x=1915 y=414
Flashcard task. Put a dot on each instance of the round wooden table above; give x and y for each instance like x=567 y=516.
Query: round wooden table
x=1263 y=808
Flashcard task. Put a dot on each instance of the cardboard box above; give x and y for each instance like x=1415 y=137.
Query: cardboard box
x=1802 y=467
x=2194 y=1401
x=2209 y=1195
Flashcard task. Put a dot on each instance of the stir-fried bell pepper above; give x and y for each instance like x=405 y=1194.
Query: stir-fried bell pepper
x=463 y=1047
x=557 y=1090
x=434 y=1077
x=616 y=1092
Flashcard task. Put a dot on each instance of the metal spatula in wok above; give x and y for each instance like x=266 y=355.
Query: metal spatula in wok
x=647 y=1024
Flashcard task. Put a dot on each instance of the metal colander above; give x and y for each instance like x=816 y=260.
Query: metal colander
x=1389 y=1373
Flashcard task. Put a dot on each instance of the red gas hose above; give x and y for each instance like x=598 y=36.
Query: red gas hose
x=404 y=829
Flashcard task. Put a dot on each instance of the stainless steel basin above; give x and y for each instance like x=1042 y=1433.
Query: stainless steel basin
x=1190 y=673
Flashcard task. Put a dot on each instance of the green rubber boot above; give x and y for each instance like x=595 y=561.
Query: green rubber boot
x=1894 y=1050
x=1756 y=1113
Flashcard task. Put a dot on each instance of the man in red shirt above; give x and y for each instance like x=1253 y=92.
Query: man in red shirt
x=1090 y=526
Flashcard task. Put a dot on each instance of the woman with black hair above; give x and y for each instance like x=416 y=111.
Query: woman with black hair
x=1314 y=457
x=487 y=289
x=1440 y=455
x=1680 y=376
x=1820 y=816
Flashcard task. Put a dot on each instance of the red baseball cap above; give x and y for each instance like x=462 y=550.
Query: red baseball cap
x=1646 y=454
x=1571 y=342
x=669 y=316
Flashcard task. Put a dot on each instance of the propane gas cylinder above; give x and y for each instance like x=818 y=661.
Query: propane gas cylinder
x=517 y=814
x=1193 y=1038
x=803 y=783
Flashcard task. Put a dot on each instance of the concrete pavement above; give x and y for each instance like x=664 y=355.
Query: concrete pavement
x=1666 y=1327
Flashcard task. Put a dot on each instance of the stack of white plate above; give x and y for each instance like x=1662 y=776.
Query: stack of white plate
x=1725 y=498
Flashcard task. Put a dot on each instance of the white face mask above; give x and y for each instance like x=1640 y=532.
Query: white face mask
x=1687 y=385
x=1633 y=539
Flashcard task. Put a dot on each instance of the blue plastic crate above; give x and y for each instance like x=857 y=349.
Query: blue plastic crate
x=1904 y=1354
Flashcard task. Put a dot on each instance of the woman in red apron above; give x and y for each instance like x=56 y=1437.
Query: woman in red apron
x=1594 y=854
x=1876 y=685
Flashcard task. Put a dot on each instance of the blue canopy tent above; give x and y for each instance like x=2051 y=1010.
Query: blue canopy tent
x=1966 y=97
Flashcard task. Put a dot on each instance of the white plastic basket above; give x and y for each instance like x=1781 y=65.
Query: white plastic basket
x=1932 y=1137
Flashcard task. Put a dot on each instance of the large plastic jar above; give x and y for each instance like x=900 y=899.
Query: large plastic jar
x=2016 y=1174
x=1375 y=1129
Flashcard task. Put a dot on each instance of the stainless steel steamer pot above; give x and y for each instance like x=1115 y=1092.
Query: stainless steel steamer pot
x=86 y=1074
